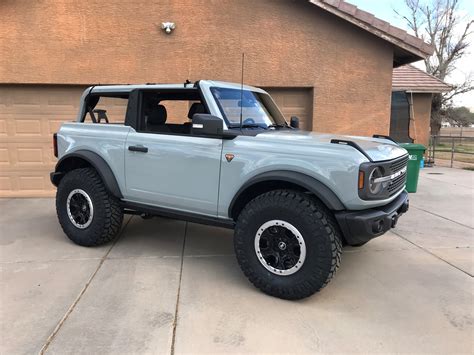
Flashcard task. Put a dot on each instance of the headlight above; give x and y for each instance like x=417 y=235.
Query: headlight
x=380 y=180
x=375 y=183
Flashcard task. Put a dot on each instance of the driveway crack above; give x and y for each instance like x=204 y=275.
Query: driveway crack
x=175 y=321
x=84 y=289
x=433 y=254
x=438 y=215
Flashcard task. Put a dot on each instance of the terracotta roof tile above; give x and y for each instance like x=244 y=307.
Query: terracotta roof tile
x=412 y=79
x=376 y=26
x=348 y=8
x=365 y=16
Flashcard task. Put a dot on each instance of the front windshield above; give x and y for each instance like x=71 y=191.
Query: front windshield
x=258 y=109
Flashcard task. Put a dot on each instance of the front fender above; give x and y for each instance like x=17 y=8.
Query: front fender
x=324 y=193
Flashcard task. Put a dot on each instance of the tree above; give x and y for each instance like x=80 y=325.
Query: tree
x=460 y=116
x=439 y=22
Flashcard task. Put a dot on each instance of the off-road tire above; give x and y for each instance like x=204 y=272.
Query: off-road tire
x=358 y=245
x=320 y=233
x=107 y=217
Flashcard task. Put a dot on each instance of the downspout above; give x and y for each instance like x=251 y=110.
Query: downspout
x=412 y=118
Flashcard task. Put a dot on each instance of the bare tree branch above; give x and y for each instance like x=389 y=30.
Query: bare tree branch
x=438 y=22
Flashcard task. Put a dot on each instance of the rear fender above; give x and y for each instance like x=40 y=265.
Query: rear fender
x=85 y=158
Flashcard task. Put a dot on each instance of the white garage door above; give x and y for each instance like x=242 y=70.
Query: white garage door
x=29 y=115
x=295 y=102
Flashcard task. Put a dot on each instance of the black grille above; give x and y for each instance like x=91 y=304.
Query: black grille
x=399 y=181
x=398 y=164
x=396 y=184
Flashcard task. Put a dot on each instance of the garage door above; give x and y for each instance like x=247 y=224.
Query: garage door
x=295 y=102
x=29 y=115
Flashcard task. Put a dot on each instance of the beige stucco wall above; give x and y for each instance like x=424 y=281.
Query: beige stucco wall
x=287 y=44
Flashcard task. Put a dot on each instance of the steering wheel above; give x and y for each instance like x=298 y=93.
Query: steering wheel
x=248 y=121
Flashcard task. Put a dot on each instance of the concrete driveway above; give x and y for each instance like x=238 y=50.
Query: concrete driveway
x=174 y=287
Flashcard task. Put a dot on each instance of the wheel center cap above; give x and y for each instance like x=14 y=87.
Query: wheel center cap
x=84 y=207
x=282 y=245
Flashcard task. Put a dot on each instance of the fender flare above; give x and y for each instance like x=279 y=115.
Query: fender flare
x=320 y=190
x=93 y=159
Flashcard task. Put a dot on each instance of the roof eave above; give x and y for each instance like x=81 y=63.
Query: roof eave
x=418 y=53
x=422 y=90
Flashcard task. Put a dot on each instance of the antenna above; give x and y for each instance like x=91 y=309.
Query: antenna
x=242 y=90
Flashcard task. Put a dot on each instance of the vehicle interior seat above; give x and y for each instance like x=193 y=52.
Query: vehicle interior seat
x=196 y=107
x=156 y=119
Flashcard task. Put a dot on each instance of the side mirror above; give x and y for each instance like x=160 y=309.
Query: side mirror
x=207 y=125
x=294 y=122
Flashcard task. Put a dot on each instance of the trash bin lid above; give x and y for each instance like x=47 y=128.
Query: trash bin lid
x=413 y=146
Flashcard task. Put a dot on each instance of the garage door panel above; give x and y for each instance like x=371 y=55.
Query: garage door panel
x=29 y=115
x=29 y=127
x=5 y=185
x=295 y=102
x=54 y=125
x=31 y=183
x=4 y=157
x=30 y=156
x=25 y=184
x=27 y=153
x=3 y=127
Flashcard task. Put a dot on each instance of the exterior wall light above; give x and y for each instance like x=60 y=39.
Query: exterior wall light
x=168 y=27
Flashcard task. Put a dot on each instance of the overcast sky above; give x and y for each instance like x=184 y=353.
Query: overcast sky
x=384 y=10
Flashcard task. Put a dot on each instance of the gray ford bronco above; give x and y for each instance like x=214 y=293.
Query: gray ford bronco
x=292 y=197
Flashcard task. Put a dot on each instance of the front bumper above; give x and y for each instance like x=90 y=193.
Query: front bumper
x=359 y=227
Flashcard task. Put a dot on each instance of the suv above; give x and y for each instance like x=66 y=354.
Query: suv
x=292 y=197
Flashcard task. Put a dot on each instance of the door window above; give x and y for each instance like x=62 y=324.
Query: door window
x=170 y=112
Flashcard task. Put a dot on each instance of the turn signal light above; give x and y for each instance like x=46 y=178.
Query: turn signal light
x=361 y=179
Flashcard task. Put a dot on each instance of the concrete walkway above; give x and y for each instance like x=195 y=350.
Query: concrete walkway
x=174 y=287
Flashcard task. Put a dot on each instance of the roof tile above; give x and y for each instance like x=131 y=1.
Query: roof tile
x=365 y=16
x=398 y=32
x=347 y=8
x=334 y=3
x=411 y=79
x=390 y=33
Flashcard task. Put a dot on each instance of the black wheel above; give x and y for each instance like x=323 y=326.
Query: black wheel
x=88 y=214
x=287 y=244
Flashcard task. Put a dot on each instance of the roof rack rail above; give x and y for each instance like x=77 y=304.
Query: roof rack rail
x=353 y=145
x=384 y=137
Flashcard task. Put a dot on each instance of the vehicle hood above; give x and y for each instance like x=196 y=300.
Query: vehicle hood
x=376 y=148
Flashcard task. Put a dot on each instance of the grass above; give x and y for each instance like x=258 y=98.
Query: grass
x=463 y=149
x=460 y=147
x=446 y=155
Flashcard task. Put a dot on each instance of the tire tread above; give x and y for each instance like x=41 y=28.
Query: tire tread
x=311 y=208
x=112 y=211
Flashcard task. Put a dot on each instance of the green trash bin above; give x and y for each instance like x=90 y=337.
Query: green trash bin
x=415 y=158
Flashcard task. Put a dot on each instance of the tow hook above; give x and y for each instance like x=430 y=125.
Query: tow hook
x=394 y=220
x=404 y=207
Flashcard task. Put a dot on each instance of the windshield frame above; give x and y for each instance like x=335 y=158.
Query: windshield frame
x=270 y=107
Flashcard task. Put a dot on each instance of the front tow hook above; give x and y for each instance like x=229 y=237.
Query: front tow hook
x=394 y=220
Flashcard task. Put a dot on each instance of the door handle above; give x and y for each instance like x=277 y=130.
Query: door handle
x=138 y=148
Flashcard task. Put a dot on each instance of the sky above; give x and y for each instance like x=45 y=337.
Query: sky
x=384 y=9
